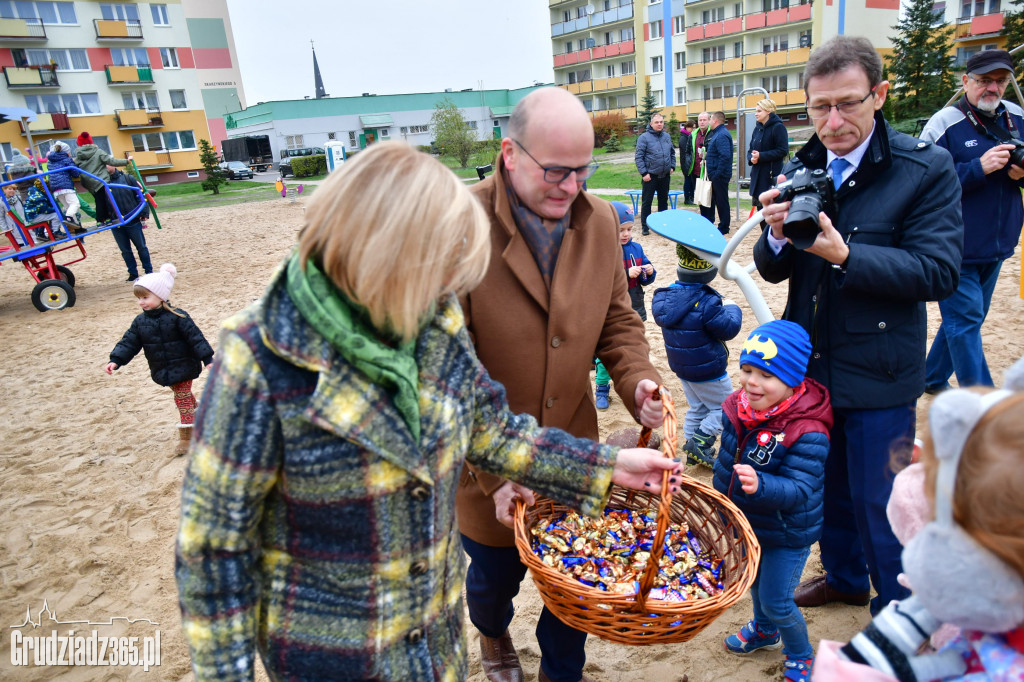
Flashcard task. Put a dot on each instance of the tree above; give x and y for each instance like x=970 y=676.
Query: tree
x=1013 y=30
x=648 y=107
x=451 y=134
x=920 y=64
x=612 y=144
x=672 y=127
x=214 y=176
x=605 y=125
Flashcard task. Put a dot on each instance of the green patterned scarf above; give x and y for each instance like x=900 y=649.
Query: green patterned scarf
x=347 y=329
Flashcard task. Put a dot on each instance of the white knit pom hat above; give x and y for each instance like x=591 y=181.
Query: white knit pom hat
x=159 y=283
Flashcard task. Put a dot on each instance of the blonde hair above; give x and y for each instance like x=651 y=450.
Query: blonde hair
x=768 y=105
x=395 y=230
x=141 y=291
x=987 y=500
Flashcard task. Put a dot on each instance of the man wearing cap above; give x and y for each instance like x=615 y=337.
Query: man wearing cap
x=979 y=130
x=890 y=242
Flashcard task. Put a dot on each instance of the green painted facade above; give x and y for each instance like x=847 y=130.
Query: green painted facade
x=207 y=33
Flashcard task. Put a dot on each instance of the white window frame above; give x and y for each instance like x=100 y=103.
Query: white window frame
x=659 y=98
x=415 y=130
x=353 y=139
x=657 y=64
x=609 y=71
x=384 y=134
x=149 y=97
x=32 y=55
x=184 y=97
x=680 y=60
x=159 y=13
x=8 y=10
x=680 y=95
x=119 y=11
x=129 y=56
x=627 y=68
x=174 y=136
x=191 y=174
x=678 y=24
x=293 y=142
x=36 y=103
x=169 y=55
x=655 y=31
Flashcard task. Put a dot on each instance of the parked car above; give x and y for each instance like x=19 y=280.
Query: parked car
x=285 y=166
x=236 y=170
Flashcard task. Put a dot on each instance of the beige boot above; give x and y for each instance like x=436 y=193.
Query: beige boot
x=184 y=438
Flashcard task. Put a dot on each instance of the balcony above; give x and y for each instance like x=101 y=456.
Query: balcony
x=153 y=160
x=779 y=58
x=614 y=83
x=138 y=118
x=784 y=98
x=22 y=30
x=27 y=77
x=599 y=52
x=778 y=17
x=48 y=124
x=627 y=112
x=120 y=31
x=979 y=26
x=592 y=20
x=128 y=75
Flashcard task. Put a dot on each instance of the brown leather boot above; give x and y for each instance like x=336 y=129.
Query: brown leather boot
x=499 y=659
x=184 y=438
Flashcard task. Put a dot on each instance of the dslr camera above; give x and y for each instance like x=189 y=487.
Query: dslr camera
x=1017 y=153
x=810 y=192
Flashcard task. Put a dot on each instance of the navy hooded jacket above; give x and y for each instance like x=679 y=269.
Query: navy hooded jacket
x=695 y=326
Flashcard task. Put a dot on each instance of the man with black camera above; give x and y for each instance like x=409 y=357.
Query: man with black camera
x=889 y=240
x=981 y=132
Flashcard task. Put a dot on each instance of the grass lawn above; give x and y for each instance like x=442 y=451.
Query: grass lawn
x=183 y=195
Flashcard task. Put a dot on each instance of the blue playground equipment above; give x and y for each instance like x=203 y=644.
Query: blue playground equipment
x=699 y=234
x=54 y=288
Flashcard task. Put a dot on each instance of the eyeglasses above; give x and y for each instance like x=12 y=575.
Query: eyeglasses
x=986 y=83
x=819 y=111
x=556 y=174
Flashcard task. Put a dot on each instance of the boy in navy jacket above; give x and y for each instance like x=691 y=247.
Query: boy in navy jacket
x=772 y=466
x=696 y=322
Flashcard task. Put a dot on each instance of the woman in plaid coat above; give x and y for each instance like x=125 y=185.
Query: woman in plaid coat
x=318 y=512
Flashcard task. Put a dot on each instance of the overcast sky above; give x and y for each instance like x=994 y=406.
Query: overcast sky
x=394 y=47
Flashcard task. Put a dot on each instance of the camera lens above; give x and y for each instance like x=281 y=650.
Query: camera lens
x=1017 y=156
x=801 y=225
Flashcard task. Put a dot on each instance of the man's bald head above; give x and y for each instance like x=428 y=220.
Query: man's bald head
x=549 y=128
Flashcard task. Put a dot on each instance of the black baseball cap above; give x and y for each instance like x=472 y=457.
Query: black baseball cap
x=989 y=60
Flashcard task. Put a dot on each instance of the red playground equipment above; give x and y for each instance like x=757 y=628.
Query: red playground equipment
x=54 y=281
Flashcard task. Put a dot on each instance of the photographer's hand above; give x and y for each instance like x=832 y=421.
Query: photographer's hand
x=996 y=158
x=774 y=214
x=829 y=243
x=1015 y=172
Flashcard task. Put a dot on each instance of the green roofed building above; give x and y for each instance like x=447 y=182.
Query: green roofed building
x=359 y=121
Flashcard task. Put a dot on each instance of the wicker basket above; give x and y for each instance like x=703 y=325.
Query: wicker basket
x=634 y=619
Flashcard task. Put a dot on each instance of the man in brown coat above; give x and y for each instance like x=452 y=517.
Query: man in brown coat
x=554 y=297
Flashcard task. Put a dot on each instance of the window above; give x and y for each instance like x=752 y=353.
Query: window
x=582 y=44
x=470 y=125
x=140 y=100
x=74 y=104
x=769 y=5
x=173 y=141
x=6 y=152
x=659 y=98
x=775 y=83
x=293 y=141
x=607 y=5
x=737 y=48
x=608 y=38
x=710 y=15
x=610 y=71
x=419 y=129
x=129 y=56
x=737 y=9
x=680 y=95
x=680 y=61
x=657 y=64
x=39 y=12
x=169 y=57
x=713 y=54
x=801 y=117
x=655 y=29
x=678 y=24
x=628 y=68
x=352 y=141
x=568 y=46
x=159 y=15
x=626 y=34
x=66 y=60
x=566 y=16
x=119 y=12
x=774 y=43
x=178 y=99
x=580 y=76
x=191 y=174
x=581 y=12
x=384 y=134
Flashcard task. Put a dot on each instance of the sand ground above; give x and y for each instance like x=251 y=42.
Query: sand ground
x=91 y=489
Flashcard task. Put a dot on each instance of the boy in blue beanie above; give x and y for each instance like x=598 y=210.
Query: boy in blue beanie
x=640 y=272
x=696 y=322
x=779 y=423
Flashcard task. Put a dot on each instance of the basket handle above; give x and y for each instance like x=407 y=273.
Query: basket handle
x=668 y=447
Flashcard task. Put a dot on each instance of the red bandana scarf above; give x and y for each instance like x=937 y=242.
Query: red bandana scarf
x=751 y=417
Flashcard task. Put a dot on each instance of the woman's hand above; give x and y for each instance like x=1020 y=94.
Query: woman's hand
x=747 y=477
x=505 y=501
x=641 y=469
x=754 y=155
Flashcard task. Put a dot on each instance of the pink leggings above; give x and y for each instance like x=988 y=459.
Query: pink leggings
x=185 y=401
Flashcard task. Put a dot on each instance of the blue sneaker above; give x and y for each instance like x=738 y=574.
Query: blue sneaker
x=798 y=669
x=749 y=639
x=601 y=397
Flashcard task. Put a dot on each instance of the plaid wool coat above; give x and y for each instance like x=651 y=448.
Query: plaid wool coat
x=314 y=530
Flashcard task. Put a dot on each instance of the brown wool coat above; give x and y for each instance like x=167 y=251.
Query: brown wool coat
x=541 y=344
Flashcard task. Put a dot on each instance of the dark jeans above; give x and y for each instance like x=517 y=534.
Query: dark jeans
x=492 y=581
x=689 y=187
x=655 y=184
x=957 y=345
x=125 y=236
x=858 y=548
x=719 y=201
x=772 y=593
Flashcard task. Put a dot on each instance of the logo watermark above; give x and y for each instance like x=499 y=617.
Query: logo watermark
x=81 y=646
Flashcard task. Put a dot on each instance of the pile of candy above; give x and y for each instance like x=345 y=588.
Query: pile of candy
x=610 y=553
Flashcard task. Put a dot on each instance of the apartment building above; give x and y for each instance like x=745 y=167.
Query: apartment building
x=139 y=77
x=978 y=25
x=594 y=48
x=699 y=55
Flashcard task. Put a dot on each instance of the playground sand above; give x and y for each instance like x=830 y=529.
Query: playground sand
x=91 y=490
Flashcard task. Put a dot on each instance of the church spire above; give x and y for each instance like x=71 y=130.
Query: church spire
x=317 y=80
